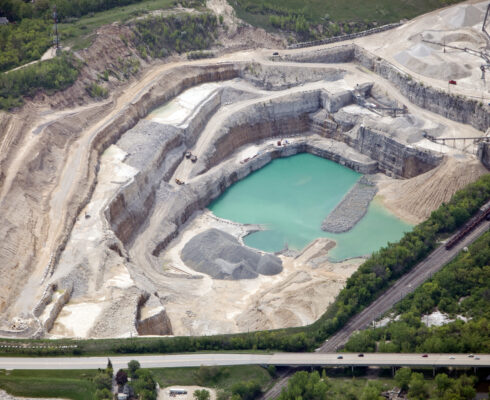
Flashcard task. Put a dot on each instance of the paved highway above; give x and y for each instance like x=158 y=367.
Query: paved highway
x=279 y=359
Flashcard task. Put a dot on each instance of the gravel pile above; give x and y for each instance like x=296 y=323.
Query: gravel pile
x=221 y=256
x=351 y=209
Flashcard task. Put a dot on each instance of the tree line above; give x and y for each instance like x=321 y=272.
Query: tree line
x=461 y=290
x=23 y=42
x=16 y=10
x=311 y=386
x=51 y=75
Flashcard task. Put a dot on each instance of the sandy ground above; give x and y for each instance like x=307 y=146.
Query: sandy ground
x=414 y=199
x=295 y=297
x=164 y=394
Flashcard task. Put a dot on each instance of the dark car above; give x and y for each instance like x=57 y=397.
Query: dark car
x=188 y=154
x=275 y=53
x=340 y=358
x=425 y=355
x=193 y=158
x=360 y=355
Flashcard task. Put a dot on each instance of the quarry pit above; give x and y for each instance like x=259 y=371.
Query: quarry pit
x=137 y=259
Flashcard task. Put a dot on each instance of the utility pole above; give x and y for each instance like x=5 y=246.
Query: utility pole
x=56 y=36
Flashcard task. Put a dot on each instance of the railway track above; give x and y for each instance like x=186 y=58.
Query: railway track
x=402 y=287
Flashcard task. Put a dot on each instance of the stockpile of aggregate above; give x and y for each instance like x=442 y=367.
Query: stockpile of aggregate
x=221 y=256
x=351 y=209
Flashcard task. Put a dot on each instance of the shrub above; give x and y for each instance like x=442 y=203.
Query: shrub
x=96 y=91
x=51 y=75
x=182 y=33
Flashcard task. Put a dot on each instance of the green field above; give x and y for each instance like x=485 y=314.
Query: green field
x=71 y=384
x=80 y=34
x=219 y=377
x=334 y=16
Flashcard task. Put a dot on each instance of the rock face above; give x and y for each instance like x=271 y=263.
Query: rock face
x=393 y=157
x=484 y=154
x=199 y=193
x=456 y=108
x=152 y=317
x=221 y=256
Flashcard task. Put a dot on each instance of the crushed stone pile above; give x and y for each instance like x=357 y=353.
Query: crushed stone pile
x=220 y=255
x=351 y=209
x=464 y=15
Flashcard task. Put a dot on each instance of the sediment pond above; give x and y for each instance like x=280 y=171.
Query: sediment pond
x=291 y=197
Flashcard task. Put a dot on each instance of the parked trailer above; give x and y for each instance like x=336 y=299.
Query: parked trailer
x=468 y=228
x=176 y=392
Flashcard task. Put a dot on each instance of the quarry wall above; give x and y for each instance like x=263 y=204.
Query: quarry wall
x=282 y=116
x=454 y=107
x=394 y=158
x=199 y=193
x=484 y=153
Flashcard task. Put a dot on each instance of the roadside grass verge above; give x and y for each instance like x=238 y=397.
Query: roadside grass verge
x=69 y=384
x=218 y=377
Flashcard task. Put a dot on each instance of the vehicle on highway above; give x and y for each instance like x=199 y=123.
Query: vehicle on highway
x=340 y=358
x=425 y=355
x=360 y=355
x=471 y=355
x=451 y=358
x=477 y=358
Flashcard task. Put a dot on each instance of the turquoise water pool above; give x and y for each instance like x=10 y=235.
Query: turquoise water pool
x=291 y=197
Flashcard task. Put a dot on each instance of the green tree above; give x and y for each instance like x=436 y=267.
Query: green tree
x=133 y=367
x=443 y=383
x=247 y=390
x=465 y=387
x=402 y=377
x=103 y=380
x=109 y=369
x=202 y=394
x=417 y=388
x=103 y=394
x=372 y=391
